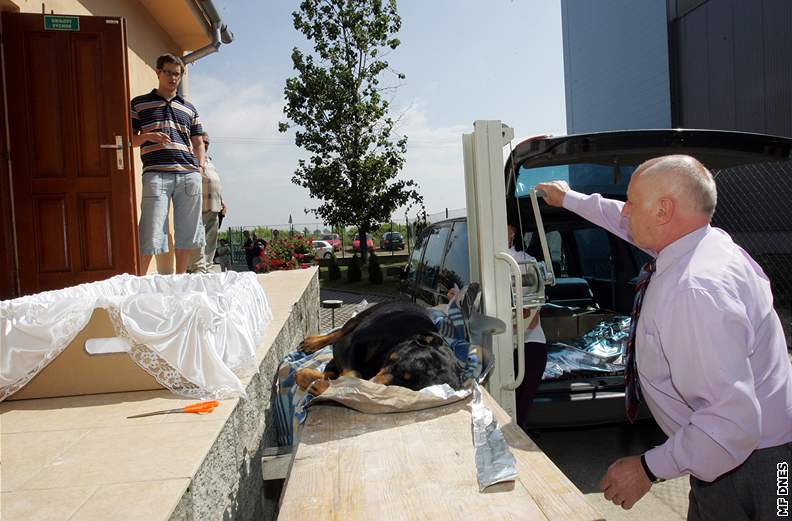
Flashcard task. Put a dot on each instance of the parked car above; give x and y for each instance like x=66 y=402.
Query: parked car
x=392 y=241
x=322 y=249
x=369 y=243
x=333 y=238
x=595 y=270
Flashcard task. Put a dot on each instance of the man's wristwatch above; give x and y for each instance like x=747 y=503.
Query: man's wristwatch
x=649 y=473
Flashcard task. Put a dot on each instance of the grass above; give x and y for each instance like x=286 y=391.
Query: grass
x=389 y=286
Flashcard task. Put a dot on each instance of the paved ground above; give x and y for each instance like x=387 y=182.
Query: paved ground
x=351 y=301
x=584 y=455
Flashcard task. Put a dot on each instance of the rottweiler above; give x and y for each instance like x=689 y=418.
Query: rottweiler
x=391 y=343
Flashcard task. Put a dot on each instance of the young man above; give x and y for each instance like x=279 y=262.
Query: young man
x=168 y=131
x=711 y=356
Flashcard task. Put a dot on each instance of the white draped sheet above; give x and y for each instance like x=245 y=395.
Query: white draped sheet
x=196 y=334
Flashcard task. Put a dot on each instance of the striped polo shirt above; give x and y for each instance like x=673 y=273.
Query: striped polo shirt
x=175 y=117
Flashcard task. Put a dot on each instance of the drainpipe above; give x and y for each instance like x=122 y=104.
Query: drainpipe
x=220 y=32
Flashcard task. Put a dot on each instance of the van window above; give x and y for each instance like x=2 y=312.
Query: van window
x=640 y=257
x=433 y=256
x=457 y=268
x=594 y=250
x=415 y=258
x=555 y=245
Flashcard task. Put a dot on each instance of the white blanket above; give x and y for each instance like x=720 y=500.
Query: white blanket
x=196 y=334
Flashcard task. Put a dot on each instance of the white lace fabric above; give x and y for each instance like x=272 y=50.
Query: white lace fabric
x=195 y=334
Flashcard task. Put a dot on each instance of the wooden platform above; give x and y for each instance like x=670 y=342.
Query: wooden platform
x=418 y=465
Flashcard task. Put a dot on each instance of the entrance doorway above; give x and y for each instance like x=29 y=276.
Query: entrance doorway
x=72 y=186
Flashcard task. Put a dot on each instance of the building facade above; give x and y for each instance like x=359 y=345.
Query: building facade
x=718 y=64
x=69 y=179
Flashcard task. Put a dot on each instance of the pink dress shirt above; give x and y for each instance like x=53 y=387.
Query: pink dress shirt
x=712 y=358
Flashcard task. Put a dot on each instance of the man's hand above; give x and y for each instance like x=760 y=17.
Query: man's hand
x=554 y=192
x=158 y=137
x=625 y=482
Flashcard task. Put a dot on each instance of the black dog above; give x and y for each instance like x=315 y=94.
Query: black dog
x=392 y=343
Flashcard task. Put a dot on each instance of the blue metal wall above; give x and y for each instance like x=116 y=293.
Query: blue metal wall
x=616 y=67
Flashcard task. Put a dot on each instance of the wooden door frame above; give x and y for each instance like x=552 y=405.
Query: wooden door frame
x=9 y=274
x=126 y=259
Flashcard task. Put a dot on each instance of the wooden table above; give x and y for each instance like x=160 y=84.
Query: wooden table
x=418 y=465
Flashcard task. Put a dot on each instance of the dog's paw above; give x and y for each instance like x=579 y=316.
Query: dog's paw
x=305 y=377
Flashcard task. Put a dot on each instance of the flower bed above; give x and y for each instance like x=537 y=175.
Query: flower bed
x=289 y=253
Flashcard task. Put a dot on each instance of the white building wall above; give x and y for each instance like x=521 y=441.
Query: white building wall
x=615 y=65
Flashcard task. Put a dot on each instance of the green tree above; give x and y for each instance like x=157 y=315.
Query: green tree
x=336 y=104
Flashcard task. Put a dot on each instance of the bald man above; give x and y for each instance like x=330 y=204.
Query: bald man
x=712 y=362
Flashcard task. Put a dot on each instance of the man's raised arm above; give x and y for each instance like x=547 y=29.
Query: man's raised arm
x=603 y=212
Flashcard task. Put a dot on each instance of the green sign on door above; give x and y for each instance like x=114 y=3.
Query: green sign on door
x=61 y=23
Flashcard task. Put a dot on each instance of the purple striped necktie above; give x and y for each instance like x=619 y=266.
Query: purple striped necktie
x=632 y=387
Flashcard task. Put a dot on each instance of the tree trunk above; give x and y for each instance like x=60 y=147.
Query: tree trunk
x=363 y=246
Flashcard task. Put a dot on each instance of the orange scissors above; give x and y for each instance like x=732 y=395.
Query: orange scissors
x=196 y=408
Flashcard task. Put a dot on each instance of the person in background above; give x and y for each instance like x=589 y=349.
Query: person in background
x=706 y=349
x=248 y=246
x=213 y=207
x=223 y=255
x=535 y=342
x=168 y=131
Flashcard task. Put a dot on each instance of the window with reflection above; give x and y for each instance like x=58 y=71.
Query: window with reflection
x=457 y=267
x=415 y=258
x=434 y=250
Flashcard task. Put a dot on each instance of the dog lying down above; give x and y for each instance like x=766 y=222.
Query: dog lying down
x=391 y=343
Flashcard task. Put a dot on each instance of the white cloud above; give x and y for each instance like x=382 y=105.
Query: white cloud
x=434 y=158
x=256 y=162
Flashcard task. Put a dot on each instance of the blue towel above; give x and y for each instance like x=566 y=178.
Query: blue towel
x=291 y=406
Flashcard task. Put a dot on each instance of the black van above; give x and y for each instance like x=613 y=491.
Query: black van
x=596 y=271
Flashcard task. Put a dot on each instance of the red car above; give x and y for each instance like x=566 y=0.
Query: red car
x=369 y=243
x=333 y=238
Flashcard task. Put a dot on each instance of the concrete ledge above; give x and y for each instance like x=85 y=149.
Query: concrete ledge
x=228 y=485
x=79 y=458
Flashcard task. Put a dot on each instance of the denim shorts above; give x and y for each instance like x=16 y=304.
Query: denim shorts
x=159 y=188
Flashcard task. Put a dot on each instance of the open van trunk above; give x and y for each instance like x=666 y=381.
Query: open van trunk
x=597 y=272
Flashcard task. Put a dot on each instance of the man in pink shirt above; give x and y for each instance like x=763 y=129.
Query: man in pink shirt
x=712 y=362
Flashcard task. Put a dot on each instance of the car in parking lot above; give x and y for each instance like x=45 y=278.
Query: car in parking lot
x=322 y=249
x=392 y=241
x=596 y=271
x=333 y=238
x=369 y=242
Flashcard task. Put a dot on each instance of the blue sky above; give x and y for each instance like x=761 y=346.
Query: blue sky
x=464 y=60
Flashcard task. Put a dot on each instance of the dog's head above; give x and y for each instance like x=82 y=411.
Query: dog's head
x=420 y=361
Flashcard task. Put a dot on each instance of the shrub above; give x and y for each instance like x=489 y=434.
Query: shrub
x=285 y=254
x=353 y=269
x=333 y=271
x=374 y=269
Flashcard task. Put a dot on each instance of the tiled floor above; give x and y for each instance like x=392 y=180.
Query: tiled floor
x=82 y=458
